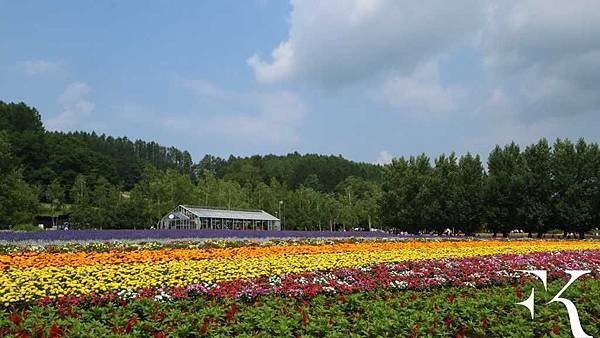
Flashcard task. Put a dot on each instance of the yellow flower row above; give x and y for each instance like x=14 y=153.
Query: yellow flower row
x=28 y=284
x=27 y=259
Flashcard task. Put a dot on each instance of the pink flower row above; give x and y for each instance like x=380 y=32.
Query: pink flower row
x=416 y=275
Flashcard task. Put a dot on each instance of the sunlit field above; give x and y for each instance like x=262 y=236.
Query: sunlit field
x=311 y=286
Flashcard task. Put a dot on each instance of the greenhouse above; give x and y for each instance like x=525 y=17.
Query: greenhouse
x=191 y=217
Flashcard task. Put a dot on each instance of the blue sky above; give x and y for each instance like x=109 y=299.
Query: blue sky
x=368 y=79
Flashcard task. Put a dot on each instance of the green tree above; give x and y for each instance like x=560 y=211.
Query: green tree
x=349 y=213
x=402 y=203
x=81 y=209
x=300 y=207
x=537 y=201
x=467 y=197
x=504 y=189
x=575 y=173
x=206 y=188
x=79 y=190
x=105 y=199
x=97 y=207
x=437 y=196
x=7 y=160
x=214 y=165
x=359 y=202
x=263 y=198
x=18 y=200
x=159 y=192
x=128 y=213
x=55 y=195
x=25 y=133
x=331 y=210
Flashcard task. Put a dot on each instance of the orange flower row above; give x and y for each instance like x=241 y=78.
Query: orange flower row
x=40 y=260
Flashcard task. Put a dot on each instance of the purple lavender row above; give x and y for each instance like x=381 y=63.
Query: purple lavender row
x=82 y=235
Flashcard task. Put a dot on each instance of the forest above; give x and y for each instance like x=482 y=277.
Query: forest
x=99 y=181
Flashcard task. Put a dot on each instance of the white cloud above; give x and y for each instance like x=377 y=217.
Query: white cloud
x=205 y=88
x=37 y=67
x=76 y=107
x=279 y=69
x=271 y=117
x=545 y=55
x=384 y=157
x=340 y=42
x=420 y=92
x=277 y=121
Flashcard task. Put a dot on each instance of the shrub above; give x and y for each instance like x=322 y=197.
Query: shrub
x=26 y=227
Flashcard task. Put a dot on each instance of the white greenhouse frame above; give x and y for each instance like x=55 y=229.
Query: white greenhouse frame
x=192 y=217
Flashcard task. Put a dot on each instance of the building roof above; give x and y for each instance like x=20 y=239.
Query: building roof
x=179 y=215
x=255 y=215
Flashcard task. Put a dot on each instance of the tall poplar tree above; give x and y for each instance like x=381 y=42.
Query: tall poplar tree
x=504 y=189
x=537 y=201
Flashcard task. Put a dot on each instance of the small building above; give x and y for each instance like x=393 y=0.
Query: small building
x=48 y=221
x=191 y=217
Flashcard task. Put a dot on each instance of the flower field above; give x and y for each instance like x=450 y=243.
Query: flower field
x=89 y=235
x=311 y=287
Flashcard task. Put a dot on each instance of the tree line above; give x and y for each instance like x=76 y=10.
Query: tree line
x=45 y=156
x=105 y=182
x=538 y=189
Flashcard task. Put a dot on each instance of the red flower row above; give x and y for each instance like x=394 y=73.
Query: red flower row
x=414 y=275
